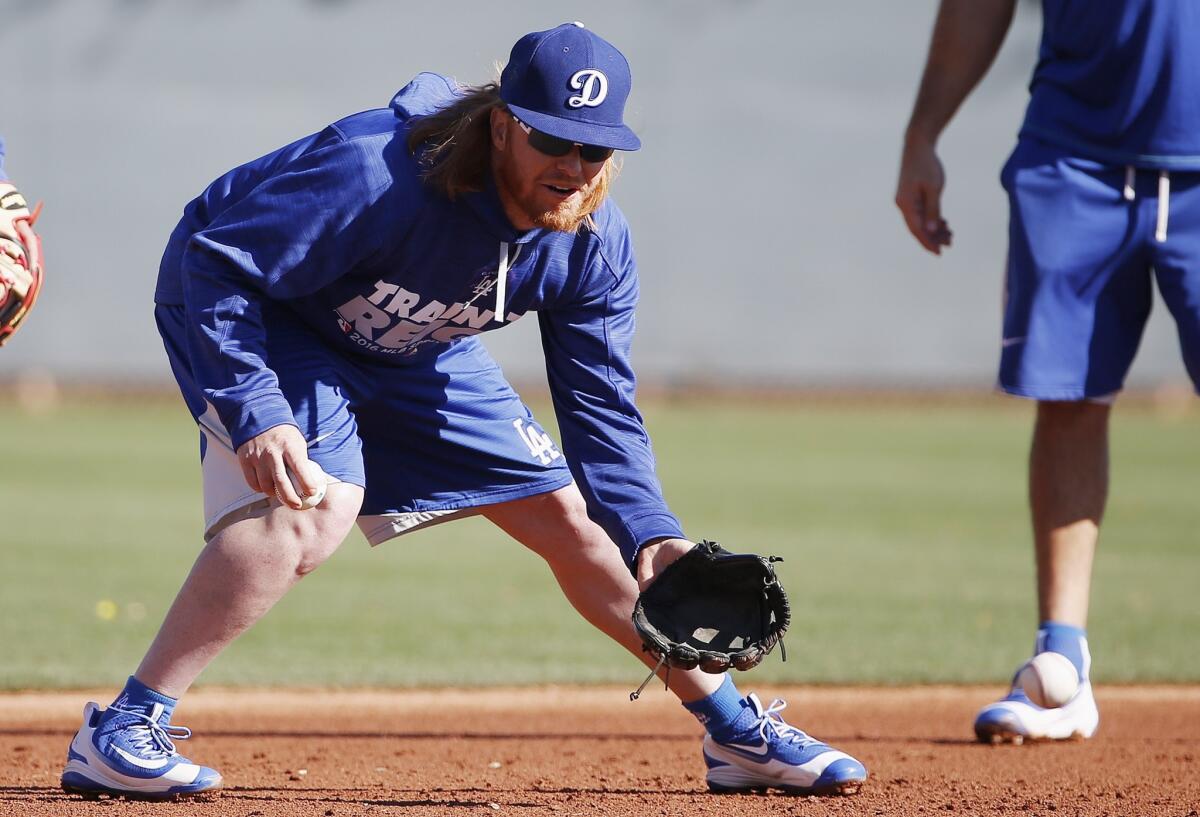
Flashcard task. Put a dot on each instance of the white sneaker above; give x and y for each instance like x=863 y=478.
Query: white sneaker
x=1016 y=719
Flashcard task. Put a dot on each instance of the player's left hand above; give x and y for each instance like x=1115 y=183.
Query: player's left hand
x=20 y=260
x=703 y=606
x=656 y=555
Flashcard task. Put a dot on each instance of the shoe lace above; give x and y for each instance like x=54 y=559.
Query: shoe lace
x=772 y=722
x=149 y=737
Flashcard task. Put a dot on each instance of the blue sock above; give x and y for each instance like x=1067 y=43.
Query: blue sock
x=137 y=697
x=724 y=714
x=1054 y=636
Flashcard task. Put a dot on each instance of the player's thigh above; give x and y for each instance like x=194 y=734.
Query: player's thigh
x=310 y=379
x=1077 y=286
x=1177 y=266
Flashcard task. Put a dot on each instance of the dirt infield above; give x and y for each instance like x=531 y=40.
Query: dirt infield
x=589 y=751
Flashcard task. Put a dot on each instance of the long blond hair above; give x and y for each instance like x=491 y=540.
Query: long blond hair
x=454 y=148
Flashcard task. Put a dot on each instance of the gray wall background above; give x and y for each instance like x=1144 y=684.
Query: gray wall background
x=769 y=249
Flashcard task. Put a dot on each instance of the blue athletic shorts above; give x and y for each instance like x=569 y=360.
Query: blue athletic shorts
x=1082 y=251
x=424 y=440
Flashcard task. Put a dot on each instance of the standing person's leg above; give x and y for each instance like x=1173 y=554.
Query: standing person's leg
x=1068 y=488
x=1077 y=298
x=748 y=746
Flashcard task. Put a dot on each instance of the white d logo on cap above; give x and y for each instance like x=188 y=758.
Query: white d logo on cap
x=592 y=86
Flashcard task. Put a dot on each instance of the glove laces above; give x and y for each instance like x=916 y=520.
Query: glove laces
x=150 y=738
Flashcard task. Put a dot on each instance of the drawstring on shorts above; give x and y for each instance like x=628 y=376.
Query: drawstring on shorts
x=1164 y=199
x=1164 y=205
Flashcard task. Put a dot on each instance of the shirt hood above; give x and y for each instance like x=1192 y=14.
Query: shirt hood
x=427 y=93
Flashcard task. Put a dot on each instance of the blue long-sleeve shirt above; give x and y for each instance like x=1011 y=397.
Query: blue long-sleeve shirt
x=340 y=229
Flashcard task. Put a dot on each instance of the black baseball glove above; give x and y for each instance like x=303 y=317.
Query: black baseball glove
x=713 y=609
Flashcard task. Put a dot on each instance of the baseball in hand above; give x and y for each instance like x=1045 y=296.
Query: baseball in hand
x=1049 y=679
x=312 y=501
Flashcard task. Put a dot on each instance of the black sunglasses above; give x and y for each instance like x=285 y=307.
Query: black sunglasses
x=554 y=146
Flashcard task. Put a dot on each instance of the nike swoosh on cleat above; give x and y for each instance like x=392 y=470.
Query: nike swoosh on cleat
x=149 y=765
x=760 y=751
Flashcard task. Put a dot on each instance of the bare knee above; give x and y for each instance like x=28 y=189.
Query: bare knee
x=314 y=551
x=283 y=540
x=1073 y=416
x=556 y=526
x=321 y=530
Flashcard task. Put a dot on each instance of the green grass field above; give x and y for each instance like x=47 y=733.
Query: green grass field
x=903 y=526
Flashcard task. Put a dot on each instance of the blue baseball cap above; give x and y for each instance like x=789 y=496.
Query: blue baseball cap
x=570 y=83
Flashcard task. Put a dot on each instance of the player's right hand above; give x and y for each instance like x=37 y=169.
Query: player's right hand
x=919 y=195
x=266 y=459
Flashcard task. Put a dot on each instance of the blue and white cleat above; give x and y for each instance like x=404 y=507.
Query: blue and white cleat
x=774 y=755
x=136 y=759
x=1016 y=719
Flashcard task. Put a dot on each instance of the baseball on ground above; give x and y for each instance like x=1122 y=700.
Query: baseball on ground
x=1049 y=679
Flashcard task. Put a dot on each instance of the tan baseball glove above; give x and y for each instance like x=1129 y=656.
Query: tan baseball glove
x=20 y=260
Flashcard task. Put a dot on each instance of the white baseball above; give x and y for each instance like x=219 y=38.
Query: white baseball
x=309 y=502
x=1049 y=679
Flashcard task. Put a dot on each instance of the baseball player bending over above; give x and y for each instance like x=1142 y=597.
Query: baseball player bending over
x=320 y=307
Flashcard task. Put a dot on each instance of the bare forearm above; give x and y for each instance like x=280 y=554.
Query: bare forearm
x=966 y=38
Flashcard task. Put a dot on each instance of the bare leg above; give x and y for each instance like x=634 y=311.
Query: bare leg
x=237 y=578
x=1068 y=487
x=590 y=571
